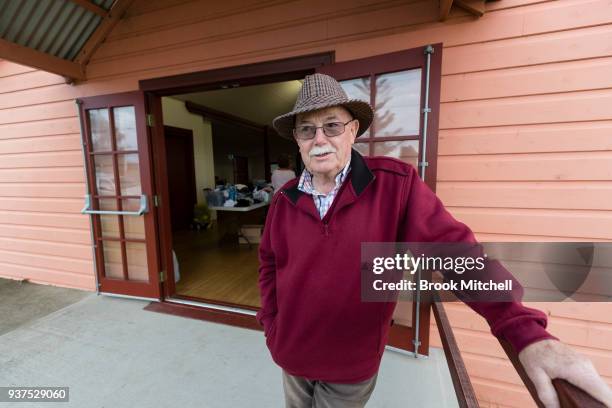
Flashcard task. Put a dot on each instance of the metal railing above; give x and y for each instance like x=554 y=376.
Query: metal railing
x=144 y=208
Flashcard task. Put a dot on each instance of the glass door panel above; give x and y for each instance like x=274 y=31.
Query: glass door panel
x=397 y=103
x=136 y=253
x=358 y=88
x=129 y=174
x=124 y=118
x=100 y=130
x=113 y=265
x=116 y=140
x=404 y=150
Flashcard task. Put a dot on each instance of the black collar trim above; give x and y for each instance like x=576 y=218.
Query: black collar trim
x=361 y=175
x=293 y=193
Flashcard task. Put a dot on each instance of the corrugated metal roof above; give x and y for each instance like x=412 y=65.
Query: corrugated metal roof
x=56 y=27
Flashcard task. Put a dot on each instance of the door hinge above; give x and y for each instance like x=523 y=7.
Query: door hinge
x=162 y=276
x=156 y=201
x=150 y=120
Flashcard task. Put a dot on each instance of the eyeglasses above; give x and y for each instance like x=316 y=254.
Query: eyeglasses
x=331 y=129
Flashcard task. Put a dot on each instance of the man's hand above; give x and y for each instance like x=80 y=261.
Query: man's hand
x=546 y=360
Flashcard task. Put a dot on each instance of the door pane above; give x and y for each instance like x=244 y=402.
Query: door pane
x=118 y=144
x=358 y=89
x=137 y=261
x=100 y=130
x=109 y=223
x=129 y=174
x=125 y=128
x=113 y=268
x=105 y=178
x=405 y=150
x=398 y=99
x=133 y=225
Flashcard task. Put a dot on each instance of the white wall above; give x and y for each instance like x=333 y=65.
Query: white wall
x=176 y=115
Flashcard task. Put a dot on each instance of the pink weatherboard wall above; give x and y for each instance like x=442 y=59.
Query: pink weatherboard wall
x=525 y=140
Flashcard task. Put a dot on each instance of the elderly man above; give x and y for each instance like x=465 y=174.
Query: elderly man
x=327 y=341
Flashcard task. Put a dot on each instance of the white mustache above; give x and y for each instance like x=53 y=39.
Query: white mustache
x=316 y=150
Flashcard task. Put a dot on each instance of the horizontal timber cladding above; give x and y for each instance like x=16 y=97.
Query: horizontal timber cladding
x=525 y=141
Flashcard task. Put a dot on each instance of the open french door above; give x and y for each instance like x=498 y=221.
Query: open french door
x=404 y=90
x=120 y=193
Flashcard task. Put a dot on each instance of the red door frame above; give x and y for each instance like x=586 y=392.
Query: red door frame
x=152 y=288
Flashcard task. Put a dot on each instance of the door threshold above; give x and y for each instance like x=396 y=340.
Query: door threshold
x=122 y=296
x=233 y=316
x=214 y=306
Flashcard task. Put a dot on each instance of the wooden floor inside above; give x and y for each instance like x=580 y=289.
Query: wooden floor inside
x=220 y=272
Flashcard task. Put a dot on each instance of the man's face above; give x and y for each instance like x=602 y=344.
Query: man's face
x=323 y=155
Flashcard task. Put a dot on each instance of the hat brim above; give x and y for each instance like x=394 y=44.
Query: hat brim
x=361 y=110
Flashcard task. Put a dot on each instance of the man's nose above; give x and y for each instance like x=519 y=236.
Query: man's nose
x=320 y=137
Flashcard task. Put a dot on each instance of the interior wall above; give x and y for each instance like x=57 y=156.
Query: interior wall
x=237 y=140
x=176 y=115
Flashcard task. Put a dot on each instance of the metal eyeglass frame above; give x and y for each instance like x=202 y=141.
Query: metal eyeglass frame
x=314 y=134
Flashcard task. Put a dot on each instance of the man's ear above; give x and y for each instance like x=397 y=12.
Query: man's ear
x=355 y=127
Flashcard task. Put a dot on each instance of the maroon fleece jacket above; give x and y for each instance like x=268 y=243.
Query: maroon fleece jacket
x=315 y=323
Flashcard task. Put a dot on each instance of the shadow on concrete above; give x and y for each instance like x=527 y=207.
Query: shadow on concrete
x=22 y=302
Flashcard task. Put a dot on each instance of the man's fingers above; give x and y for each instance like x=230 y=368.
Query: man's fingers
x=545 y=389
x=586 y=378
x=546 y=360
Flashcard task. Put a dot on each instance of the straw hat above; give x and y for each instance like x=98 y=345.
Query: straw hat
x=321 y=91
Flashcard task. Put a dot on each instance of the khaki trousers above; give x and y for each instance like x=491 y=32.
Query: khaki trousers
x=303 y=393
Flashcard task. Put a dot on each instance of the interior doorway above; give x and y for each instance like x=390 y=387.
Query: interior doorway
x=219 y=148
x=181 y=175
x=214 y=261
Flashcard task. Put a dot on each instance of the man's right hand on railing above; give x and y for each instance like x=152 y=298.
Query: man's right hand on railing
x=546 y=360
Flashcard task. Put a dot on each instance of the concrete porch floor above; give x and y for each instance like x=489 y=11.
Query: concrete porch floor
x=112 y=353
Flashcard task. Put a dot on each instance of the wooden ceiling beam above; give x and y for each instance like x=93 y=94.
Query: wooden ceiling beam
x=97 y=38
x=445 y=7
x=475 y=7
x=33 y=58
x=86 y=4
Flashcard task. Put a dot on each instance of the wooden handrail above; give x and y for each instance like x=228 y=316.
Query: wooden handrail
x=461 y=380
x=570 y=396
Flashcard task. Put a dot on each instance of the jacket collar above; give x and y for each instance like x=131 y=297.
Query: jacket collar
x=360 y=176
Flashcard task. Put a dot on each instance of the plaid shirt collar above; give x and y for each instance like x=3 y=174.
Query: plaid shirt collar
x=322 y=201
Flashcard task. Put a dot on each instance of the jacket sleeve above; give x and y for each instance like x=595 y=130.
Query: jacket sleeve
x=267 y=271
x=426 y=220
